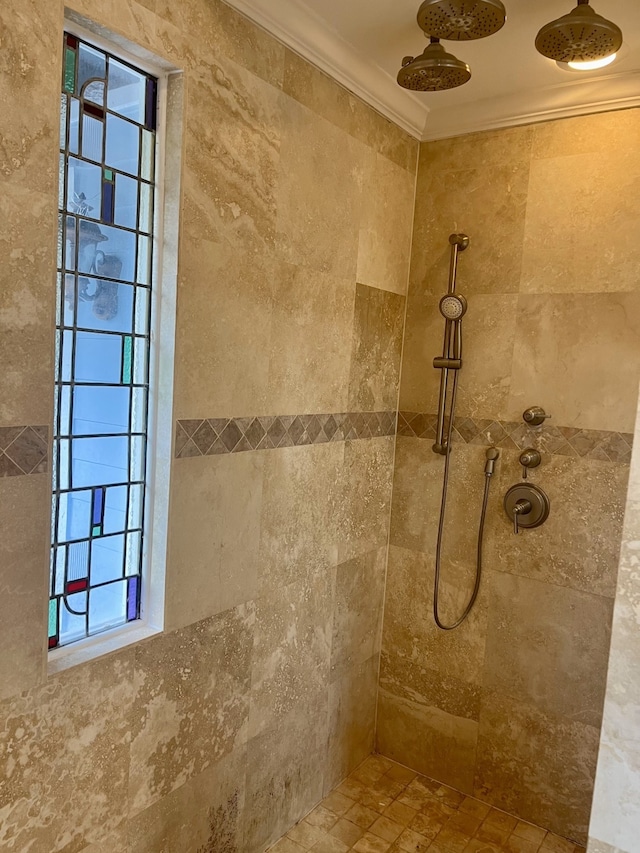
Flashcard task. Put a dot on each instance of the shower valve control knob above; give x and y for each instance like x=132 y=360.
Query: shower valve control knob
x=529 y=458
x=535 y=416
x=527 y=506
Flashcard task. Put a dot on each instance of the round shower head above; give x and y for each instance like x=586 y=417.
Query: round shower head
x=580 y=36
x=433 y=71
x=453 y=307
x=461 y=20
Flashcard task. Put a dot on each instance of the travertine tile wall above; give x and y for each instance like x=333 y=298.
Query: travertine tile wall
x=297 y=203
x=616 y=802
x=509 y=706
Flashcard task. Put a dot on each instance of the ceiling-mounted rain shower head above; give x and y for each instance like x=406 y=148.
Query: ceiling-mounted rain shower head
x=433 y=71
x=580 y=36
x=461 y=20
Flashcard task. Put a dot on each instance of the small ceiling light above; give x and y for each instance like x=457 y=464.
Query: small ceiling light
x=592 y=66
x=433 y=71
x=580 y=36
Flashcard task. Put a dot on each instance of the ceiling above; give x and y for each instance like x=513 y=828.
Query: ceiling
x=361 y=44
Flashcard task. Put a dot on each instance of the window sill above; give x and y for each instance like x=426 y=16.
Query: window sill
x=94 y=647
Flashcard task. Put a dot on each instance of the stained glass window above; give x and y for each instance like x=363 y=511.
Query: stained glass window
x=105 y=235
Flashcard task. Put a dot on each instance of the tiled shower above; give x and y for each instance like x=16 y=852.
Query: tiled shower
x=298 y=635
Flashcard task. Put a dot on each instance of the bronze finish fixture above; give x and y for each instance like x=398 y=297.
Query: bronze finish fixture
x=461 y=20
x=534 y=416
x=529 y=458
x=580 y=36
x=452 y=308
x=433 y=71
x=527 y=506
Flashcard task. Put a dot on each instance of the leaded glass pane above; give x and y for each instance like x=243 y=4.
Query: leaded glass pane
x=107 y=142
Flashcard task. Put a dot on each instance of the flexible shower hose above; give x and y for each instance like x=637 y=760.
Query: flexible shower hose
x=443 y=508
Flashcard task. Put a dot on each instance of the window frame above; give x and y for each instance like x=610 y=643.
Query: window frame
x=161 y=353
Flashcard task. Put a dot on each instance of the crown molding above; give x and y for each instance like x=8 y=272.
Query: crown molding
x=300 y=29
x=306 y=33
x=565 y=100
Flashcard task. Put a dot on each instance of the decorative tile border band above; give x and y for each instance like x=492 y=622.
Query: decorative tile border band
x=234 y=435
x=23 y=450
x=511 y=435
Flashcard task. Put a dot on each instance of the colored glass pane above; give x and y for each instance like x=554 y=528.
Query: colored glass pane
x=53 y=617
x=132 y=598
x=126 y=360
x=103 y=310
x=70 y=70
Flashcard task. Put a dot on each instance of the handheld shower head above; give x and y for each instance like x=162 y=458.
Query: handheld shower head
x=453 y=307
x=461 y=20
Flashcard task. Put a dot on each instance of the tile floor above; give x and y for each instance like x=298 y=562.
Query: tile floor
x=386 y=808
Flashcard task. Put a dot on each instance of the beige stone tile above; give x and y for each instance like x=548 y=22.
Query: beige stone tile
x=30 y=92
x=223 y=328
x=387 y=828
x=352 y=708
x=449 y=841
x=489 y=332
x=556 y=844
x=529 y=832
x=365 y=496
x=338 y=803
x=579 y=245
x=401 y=774
x=400 y=813
x=311 y=330
x=305 y=834
x=300 y=497
x=214 y=535
x=322 y=818
x=291 y=648
x=429 y=823
x=578 y=546
x=329 y=844
x=285 y=768
x=515 y=844
x=463 y=185
x=370 y=843
x=413 y=842
x=286 y=845
x=327 y=98
x=385 y=225
x=549 y=646
x=347 y=832
x=476 y=845
x=475 y=808
x=361 y=815
x=65 y=758
x=27 y=302
x=357 y=616
x=587 y=378
x=203 y=814
x=376 y=351
x=24 y=555
x=412 y=642
x=609 y=132
x=115 y=842
x=536 y=766
x=433 y=741
x=232 y=152
x=191 y=704
x=314 y=153
x=405 y=678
